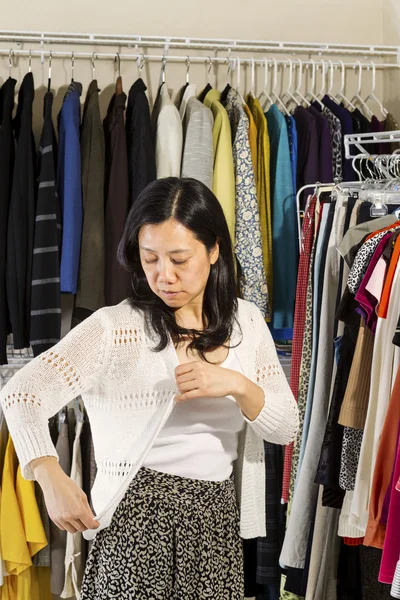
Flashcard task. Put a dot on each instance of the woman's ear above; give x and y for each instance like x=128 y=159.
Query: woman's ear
x=214 y=254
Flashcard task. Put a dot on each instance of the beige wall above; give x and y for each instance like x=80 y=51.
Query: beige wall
x=391 y=36
x=289 y=20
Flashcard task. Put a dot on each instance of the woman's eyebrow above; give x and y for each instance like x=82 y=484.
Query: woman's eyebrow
x=170 y=252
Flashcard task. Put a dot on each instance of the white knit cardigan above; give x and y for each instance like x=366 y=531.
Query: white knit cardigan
x=128 y=390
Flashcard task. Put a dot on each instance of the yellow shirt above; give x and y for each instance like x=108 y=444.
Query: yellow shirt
x=223 y=176
x=262 y=174
x=22 y=535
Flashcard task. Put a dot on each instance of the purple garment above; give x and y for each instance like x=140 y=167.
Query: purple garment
x=324 y=146
x=386 y=502
x=367 y=302
x=347 y=128
x=307 y=148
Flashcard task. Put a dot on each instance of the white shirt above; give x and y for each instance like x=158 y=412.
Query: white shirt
x=129 y=390
x=200 y=438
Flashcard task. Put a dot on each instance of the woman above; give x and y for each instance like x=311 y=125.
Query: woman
x=181 y=383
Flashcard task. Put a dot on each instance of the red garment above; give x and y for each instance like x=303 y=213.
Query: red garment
x=353 y=541
x=298 y=329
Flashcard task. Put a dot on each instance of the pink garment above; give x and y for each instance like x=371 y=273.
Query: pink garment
x=386 y=502
x=370 y=290
x=391 y=548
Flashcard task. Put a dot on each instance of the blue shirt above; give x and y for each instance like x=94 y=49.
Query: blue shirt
x=284 y=223
x=69 y=185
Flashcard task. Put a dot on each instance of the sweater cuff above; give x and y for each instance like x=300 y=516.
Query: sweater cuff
x=31 y=443
x=270 y=424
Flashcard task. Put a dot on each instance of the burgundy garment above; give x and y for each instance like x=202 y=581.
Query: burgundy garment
x=367 y=302
x=391 y=548
x=117 y=197
x=307 y=148
x=324 y=146
x=298 y=330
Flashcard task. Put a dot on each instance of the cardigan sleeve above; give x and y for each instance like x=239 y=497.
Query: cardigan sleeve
x=278 y=421
x=46 y=384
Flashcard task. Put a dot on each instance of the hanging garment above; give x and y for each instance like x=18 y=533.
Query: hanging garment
x=350 y=455
x=22 y=534
x=252 y=132
x=74 y=563
x=347 y=128
x=69 y=183
x=305 y=369
x=262 y=175
x=391 y=548
x=391 y=124
x=169 y=137
x=304 y=501
x=375 y=532
x=335 y=129
x=248 y=248
x=197 y=158
x=223 y=176
x=116 y=284
x=307 y=153
x=383 y=362
x=141 y=154
x=355 y=403
x=325 y=172
x=90 y=295
x=46 y=292
x=328 y=212
x=59 y=538
x=299 y=326
x=7 y=153
x=293 y=143
x=42 y=558
x=189 y=91
x=284 y=222
x=21 y=219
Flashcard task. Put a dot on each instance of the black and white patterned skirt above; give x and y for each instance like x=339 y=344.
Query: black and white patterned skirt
x=171 y=538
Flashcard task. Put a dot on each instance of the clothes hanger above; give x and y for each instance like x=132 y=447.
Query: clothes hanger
x=210 y=64
x=72 y=66
x=10 y=56
x=93 y=67
x=288 y=94
x=331 y=72
x=252 y=91
x=140 y=63
x=228 y=80
x=274 y=94
x=237 y=64
x=299 y=83
x=265 y=90
x=49 y=75
x=357 y=97
x=187 y=70
x=30 y=62
x=371 y=95
x=340 y=95
x=322 y=92
x=311 y=93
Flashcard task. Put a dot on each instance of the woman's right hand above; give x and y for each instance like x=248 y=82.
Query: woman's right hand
x=66 y=503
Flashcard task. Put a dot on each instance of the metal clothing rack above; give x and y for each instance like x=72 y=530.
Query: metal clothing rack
x=25 y=42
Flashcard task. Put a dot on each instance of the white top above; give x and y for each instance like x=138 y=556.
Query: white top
x=200 y=438
x=129 y=390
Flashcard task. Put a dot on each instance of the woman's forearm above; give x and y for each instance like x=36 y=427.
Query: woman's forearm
x=249 y=396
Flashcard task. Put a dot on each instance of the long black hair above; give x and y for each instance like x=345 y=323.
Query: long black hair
x=192 y=204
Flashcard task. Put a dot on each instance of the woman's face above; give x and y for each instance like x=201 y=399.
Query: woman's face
x=175 y=263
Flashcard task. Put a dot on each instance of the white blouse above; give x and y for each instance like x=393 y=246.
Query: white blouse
x=200 y=438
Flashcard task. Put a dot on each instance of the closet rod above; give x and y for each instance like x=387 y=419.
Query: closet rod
x=216 y=44
x=170 y=58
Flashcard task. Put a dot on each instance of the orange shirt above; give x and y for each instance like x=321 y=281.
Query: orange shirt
x=387 y=288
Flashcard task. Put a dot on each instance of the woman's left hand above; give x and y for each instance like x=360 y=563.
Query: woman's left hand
x=199 y=379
